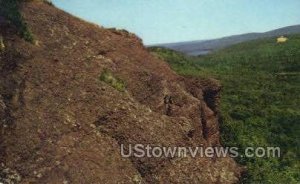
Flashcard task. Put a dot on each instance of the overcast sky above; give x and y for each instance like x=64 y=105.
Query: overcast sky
x=166 y=21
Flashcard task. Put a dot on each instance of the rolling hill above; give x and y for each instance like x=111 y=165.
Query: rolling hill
x=203 y=47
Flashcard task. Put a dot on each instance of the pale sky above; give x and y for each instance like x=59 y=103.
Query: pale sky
x=167 y=21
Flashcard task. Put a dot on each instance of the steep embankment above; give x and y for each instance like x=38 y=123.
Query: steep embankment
x=61 y=124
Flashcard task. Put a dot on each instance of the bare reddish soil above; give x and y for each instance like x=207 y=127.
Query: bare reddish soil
x=61 y=124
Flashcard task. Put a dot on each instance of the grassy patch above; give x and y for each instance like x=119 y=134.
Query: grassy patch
x=260 y=101
x=107 y=77
x=9 y=9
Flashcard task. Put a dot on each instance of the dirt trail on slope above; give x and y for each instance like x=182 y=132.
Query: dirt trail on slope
x=61 y=124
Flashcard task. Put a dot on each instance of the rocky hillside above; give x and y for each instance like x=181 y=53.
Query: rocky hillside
x=64 y=117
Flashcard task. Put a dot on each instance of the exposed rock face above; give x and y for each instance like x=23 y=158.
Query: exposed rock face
x=61 y=124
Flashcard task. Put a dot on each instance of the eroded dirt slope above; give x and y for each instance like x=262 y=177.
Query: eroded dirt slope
x=61 y=124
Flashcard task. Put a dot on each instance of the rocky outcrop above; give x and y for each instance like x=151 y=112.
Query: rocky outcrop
x=61 y=124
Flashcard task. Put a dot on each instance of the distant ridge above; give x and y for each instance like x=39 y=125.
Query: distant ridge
x=202 y=47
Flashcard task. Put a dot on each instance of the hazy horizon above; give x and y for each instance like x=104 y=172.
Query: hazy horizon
x=170 y=21
x=225 y=36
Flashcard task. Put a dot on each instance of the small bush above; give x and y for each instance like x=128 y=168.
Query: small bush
x=107 y=77
x=9 y=9
x=49 y=2
x=2 y=46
